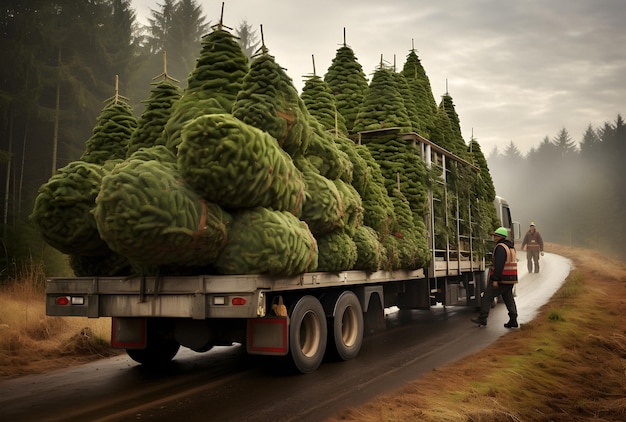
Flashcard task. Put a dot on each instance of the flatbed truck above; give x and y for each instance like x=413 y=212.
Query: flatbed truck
x=296 y=321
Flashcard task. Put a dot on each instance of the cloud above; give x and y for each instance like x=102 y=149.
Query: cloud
x=517 y=70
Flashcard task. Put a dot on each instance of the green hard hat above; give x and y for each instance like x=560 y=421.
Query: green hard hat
x=501 y=231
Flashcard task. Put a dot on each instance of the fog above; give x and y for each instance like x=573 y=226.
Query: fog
x=575 y=196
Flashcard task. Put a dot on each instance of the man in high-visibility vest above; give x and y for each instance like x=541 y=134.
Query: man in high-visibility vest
x=533 y=244
x=502 y=278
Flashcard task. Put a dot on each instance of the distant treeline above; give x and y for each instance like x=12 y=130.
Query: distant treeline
x=574 y=192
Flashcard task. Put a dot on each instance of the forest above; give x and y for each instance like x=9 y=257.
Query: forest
x=575 y=192
x=68 y=58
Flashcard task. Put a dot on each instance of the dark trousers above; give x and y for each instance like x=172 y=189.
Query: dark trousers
x=532 y=256
x=506 y=290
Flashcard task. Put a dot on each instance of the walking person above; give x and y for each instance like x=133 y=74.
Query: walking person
x=502 y=278
x=533 y=244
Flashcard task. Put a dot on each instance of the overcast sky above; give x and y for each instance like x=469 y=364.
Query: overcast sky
x=517 y=70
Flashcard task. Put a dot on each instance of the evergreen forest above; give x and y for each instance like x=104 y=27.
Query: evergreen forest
x=575 y=192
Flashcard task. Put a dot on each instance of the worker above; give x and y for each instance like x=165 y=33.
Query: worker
x=502 y=278
x=533 y=244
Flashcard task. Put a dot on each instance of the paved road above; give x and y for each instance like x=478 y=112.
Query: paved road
x=224 y=384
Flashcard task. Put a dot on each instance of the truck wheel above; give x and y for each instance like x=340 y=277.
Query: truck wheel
x=159 y=351
x=307 y=334
x=346 y=337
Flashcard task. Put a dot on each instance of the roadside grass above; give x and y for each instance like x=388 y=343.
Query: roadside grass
x=568 y=364
x=31 y=342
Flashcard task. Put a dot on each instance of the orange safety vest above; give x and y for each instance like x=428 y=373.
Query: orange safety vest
x=509 y=272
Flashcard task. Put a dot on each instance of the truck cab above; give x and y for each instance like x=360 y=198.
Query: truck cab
x=504 y=215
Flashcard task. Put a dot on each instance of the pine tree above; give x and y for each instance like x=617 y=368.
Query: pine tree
x=415 y=124
x=112 y=133
x=347 y=82
x=419 y=84
x=212 y=86
x=247 y=39
x=269 y=101
x=383 y=106
x=322 y=105
x=456 y=143
x=157 y=112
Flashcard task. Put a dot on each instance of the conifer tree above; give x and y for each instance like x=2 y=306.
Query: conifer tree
x=112 y=133
x=383 y=106
x=347 y=82
x=456 y=144
x=212 y=86
x=269 y=101
x=409 y=102
x=419 y=84
x=322 y=105
x=157 y=112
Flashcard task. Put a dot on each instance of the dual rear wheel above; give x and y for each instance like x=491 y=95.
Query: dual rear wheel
x=312 y=334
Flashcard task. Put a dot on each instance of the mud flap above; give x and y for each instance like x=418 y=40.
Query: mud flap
x=129 y=333
x=268 y=336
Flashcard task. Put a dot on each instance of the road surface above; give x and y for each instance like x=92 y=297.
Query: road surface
x=225 y=384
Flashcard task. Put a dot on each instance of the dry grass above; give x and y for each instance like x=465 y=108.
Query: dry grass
x=31 y=342
x=569 y=364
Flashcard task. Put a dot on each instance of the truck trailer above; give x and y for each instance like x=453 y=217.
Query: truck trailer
x=296 y=320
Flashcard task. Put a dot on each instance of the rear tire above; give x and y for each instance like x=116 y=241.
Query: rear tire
x=346 y=337
x=160 y=348
x=307 y=335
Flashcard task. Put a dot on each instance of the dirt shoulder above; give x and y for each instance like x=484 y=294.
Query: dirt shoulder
x=568 y=364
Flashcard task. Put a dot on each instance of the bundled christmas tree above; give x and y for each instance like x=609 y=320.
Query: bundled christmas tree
x=422 y=94
x=212 y=85
x=322 y=105
x=112 y=133
x=383 y=106
x=269 y=101
x=347 y=83
x=157 y=112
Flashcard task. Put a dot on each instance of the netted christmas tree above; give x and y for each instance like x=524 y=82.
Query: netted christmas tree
x=213 y=84
x=321 y=103
x=62 y=209
x=145 y=212
x=402 y=167
x=114 y=128
x=421 y=91
x=408 y=99
x=383 y=106
x=456 y=144
x=62 y=212
x=484 y=213
x=163 y=96
x=269 y=101
x=347 y=83
x=268 y=242
x=326 y=155
x=236 y=165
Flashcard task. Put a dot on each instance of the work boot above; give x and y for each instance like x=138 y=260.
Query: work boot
x=481 y=320
x=512 y=322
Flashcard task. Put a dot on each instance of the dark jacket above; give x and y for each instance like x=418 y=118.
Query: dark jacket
x=500 y=260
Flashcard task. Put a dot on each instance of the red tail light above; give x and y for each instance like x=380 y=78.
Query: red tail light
x=238 y=301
